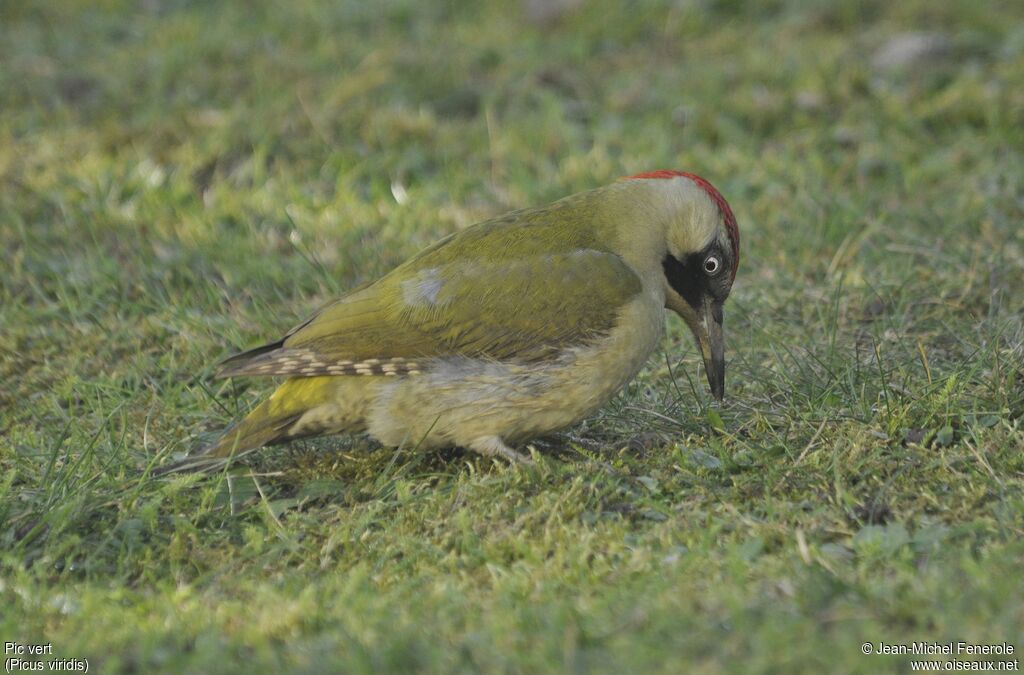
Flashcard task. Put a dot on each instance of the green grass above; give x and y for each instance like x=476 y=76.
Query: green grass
x=179 y=180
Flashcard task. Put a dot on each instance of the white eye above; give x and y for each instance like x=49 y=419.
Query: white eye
x=711 y=264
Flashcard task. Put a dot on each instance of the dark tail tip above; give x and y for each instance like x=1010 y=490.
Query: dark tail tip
x=191 y=464
x=237 y=441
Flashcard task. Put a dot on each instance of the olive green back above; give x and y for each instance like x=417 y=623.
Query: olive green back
x=523 y=286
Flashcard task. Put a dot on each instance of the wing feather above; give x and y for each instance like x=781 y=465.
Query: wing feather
x=518 y=303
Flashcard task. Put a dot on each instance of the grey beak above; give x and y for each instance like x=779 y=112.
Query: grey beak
x=712 y=346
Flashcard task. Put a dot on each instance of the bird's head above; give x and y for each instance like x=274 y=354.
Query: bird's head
x=699 y=256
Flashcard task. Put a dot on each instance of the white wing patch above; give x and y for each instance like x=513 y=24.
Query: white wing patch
x=423 y=289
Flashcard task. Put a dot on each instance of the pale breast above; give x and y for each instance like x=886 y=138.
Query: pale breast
x=455 y=400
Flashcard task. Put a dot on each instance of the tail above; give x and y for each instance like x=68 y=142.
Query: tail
x=273 y=421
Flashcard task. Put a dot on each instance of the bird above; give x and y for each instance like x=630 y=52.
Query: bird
x=513 y=328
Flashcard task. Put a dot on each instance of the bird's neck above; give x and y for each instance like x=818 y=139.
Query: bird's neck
x=644 y=213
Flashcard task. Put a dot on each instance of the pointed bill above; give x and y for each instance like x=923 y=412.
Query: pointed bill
x=712 y=345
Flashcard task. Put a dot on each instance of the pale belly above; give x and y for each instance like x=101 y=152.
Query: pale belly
x=457 y=400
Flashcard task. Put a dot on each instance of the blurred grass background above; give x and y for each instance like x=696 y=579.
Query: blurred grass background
x=180 y=179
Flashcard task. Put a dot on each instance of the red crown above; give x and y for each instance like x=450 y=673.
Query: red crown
x=717 y=198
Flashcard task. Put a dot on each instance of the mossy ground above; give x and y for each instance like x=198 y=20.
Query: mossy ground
x=179 y=180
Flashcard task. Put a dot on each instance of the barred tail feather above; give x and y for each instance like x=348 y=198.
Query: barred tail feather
x=277 y=361
x=241 y=364
x=252 y=433
x=273 y=421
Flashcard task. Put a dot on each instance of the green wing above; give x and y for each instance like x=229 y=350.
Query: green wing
x=518 y=301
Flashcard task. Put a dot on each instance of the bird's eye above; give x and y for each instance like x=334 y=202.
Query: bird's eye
x=711 y=264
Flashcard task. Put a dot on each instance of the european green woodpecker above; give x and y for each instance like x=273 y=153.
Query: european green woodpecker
x=509 y=329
